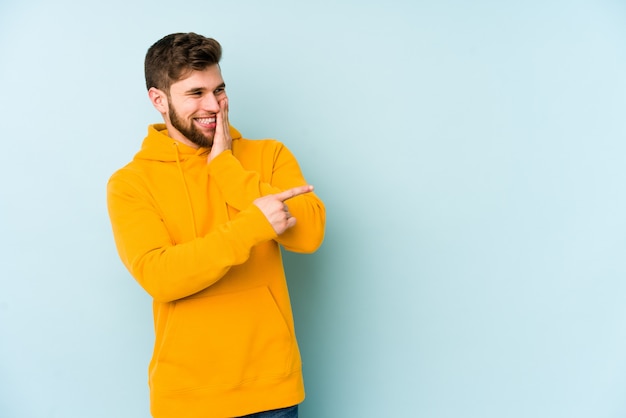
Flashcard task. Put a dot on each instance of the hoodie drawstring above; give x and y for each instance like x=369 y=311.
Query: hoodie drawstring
x=182 y=177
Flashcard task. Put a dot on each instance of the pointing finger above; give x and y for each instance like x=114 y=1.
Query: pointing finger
x=296 y=191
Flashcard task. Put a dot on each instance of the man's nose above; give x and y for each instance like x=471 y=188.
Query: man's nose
x=210 y=103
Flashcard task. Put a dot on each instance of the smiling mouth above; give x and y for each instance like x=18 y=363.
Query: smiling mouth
x=206 y=122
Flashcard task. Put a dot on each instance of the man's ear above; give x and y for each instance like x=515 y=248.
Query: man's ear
x=158 y=99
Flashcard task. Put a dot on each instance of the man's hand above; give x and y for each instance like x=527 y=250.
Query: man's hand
x=221 y=140
x=276 y=211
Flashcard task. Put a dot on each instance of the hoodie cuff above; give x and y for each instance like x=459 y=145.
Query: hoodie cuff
x=252 y=224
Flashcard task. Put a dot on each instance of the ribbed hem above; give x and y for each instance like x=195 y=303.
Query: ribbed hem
x=247 y=398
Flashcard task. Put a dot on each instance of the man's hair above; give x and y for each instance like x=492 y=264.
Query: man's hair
x=177 y=54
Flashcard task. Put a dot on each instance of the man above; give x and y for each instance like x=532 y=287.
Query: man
x=198 y=217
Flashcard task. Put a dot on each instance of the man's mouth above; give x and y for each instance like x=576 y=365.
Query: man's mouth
x=206 y=122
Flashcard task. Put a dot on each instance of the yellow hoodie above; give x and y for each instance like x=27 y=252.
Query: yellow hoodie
x=189 y=234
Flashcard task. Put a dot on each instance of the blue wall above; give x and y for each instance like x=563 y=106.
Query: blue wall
x=471 y=156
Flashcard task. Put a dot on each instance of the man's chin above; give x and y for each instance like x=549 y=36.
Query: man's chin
x=202 y=141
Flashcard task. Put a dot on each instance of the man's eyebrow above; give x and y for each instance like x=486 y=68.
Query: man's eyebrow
x=203 y=89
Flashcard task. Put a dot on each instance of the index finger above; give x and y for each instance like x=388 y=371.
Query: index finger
x=224 y=107
x=293 y=192
x=224 y=103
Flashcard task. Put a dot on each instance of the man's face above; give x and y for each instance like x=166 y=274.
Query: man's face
x=193 y=105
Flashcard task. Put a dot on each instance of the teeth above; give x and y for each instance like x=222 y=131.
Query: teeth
x=206 y=120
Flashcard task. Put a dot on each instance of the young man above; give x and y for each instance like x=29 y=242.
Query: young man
x=198 y=217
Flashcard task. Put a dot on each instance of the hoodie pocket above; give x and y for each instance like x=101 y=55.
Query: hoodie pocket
x=224 y=341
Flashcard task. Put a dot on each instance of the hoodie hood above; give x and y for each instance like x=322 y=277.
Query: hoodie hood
x=159 y=146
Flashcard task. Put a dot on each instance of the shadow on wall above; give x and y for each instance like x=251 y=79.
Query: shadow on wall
x=305 y=279
x=308 y=288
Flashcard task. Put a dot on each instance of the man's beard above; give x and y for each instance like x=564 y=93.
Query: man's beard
x=190 y=132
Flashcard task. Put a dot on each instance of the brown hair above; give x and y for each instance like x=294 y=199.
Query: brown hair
x=175 y=55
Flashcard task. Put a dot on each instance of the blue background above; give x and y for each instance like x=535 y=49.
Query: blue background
x=471 y=157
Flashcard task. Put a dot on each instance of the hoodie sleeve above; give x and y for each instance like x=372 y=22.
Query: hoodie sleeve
x=241 y=187
x=169 y=271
